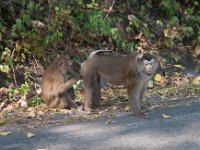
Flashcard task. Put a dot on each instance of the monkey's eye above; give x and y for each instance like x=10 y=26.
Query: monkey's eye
x=152 y=61
x=146 y=62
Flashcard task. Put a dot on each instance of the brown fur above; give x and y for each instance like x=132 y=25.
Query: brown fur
x=57 y=87
x=128 y=71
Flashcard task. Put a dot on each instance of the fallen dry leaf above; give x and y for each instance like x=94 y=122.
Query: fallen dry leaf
x=10 y=108
x=127 y=108
x=29 y=134
x=30 y=109
x=172 y=105
x=196 y=81
x=31 y=126
x=165 y=116
x=2 y=122
x=131 y=17
x=31 y=114
x=188 y=105
x=196 y=51
x=114 y=107
x=179 y=66
x=108 y=121
x=37 y=24
x=150 y=84
x=158 y=78
x=170 y=33
x=178 y=80
x=71 y=120
x=4 y=133
x=40 y=113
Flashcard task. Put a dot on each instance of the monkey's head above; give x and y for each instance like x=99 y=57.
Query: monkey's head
x=147 y=63
x=64 y=65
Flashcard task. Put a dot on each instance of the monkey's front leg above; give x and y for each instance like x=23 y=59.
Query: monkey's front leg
x=141 y=97
x=88 y=96
x=134 y=94
x=66 y=86
x=96 y=91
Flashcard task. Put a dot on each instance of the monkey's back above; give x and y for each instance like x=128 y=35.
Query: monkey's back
x=51 y=80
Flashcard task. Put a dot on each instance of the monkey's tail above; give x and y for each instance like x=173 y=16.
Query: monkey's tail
x=97 y=51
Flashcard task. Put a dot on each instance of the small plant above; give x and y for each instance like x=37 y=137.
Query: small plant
x=138 y=25
x=24 y=89
x=78 y=85
x=18 y=93
x=170 y=7
x=35 y=101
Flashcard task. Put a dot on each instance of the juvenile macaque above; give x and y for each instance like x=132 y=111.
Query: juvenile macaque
x=132 y=71
x=57 y=85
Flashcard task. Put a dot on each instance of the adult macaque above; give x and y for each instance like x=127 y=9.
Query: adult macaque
x=57 y=87
x=132 y=71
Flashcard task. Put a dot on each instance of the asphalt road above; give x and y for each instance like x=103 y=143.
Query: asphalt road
x=181 y=132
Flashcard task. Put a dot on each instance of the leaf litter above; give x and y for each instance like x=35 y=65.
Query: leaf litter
x=164 y=91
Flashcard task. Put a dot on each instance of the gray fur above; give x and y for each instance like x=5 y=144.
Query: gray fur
x=97 y=51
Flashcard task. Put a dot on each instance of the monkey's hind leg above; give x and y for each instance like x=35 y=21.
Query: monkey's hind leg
x=88 y=97
x=53 y=102
x=97 y=92
x=90 y=92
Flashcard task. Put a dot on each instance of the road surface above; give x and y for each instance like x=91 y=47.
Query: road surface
x=125 y=132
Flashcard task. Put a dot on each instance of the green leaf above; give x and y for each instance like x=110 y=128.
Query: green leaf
x=24 y=89
x=2 y=27
x=57 y=9
x=4 y=68
x=173 y=21
x=14 y=34
x=19 y=24
x=26 y=19
x=30 y=6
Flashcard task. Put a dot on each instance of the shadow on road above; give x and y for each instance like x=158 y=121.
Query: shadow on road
x=180 y=132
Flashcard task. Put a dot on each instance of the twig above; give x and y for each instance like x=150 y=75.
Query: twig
x=110 y=8
x=13 y=70
x=14 y=76
x=38 y=90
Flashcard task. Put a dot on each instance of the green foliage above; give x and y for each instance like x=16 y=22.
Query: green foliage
x=140 y=26
x=53 y=37
x=169 y=6
x=24 y=89
x=177 y=58
x=78 y=84
x=4 y=68
x=184 y=17
x=35 y=101
x=144 y=8
x=80 y=24
x=90 y=22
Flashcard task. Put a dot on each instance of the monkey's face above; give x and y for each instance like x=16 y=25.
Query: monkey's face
x=147 y=64
x=65 y=66
x=149 y=67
